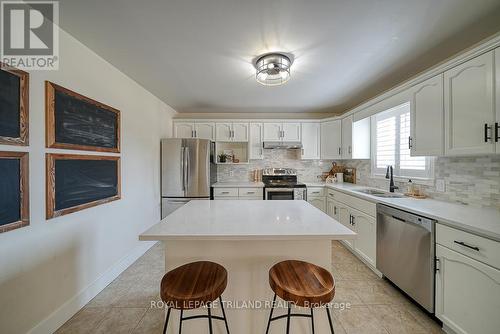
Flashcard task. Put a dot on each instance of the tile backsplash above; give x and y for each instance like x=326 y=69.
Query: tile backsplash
x=473 y=181
x=307 y=170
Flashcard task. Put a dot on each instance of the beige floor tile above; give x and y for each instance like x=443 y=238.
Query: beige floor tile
x=359 y=320
x=85 y=321
x=376 y=292
x=353 y=271
x=345 y=293
x=397 y=320
x=152 y=322
x=342 y=255
x=121 y=320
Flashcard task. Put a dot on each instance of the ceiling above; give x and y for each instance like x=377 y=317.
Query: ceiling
x=197 y=55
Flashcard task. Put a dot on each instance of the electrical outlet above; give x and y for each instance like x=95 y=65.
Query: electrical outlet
x=231 y=173
x=440 y=186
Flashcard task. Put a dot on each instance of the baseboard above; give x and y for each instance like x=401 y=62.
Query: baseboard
x=72 y=306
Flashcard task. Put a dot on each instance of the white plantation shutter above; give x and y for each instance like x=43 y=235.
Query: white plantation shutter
x=392 y=129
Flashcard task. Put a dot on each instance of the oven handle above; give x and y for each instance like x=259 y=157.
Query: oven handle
x=270 y=190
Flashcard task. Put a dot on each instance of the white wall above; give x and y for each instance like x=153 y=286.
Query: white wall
x=51 y=268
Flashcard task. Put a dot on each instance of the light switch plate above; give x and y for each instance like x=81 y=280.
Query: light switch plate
x=440 y=186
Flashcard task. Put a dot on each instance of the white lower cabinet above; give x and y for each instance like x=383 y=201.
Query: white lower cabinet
x=318 y=202
x=223 y=193
x=467 y=293
x=359 y=216
x=366 y=228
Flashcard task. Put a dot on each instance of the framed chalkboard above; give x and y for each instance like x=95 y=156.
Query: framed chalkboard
x=76 y=182
x=14 y=104
x=14 y=190
x=74 y=121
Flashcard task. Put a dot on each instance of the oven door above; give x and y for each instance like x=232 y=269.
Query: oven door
x=279 y=194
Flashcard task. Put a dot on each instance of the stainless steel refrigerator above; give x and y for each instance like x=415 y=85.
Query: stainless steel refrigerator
x=187 y=172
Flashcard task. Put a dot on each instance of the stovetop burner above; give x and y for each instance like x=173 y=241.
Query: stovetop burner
x=281 y=178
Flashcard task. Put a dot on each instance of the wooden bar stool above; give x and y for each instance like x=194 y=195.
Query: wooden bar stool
x=302 y=284
x=192 y=286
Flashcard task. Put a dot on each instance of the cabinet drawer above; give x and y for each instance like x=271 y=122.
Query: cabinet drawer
x=315 y=192
x=226 y=192
x=250 y=192
x=476 y=247
x=356 y=203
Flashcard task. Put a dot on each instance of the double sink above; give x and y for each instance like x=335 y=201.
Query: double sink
x=379 y=193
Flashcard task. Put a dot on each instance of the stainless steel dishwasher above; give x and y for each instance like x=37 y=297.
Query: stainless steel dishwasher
x=405 y=252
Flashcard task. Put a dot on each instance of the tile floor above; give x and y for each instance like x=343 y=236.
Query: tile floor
x=377 y=307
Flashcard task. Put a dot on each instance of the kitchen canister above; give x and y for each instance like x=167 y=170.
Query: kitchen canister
x=340 y=177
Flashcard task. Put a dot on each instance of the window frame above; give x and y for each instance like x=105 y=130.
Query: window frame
x=399 y=174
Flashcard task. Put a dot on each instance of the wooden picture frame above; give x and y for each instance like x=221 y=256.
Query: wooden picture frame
x=51 y=89
x=51 y=210
x=24 y=190
x=23 y=139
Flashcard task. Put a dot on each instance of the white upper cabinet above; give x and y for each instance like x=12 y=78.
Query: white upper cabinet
x=331 y=140
x=232 y=132
x=255 y=139
x=310 y=140
x=347 y=137
x=240 y=132
x=291 y=132
x=204 y=131
x=426 y=118
x=183 y=130
x=194 y=130
x=272 y=132
x=360 y=138
x=469 y=105
x=223 y=131
x=282 y=132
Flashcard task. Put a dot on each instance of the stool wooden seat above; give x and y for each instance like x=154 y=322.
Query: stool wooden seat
x=301 y=284
x=191 y=286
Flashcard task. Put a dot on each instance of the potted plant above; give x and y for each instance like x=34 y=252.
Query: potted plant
x=222 y=158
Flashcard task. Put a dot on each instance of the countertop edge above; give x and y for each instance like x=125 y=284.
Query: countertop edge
x=441 y=220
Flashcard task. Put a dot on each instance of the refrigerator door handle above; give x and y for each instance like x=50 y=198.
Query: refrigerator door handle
x=187 y=167
x=182 y=169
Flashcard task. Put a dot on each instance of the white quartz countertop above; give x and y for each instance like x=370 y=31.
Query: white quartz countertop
x=480 y=221
x=238 y=185
x=247 y=220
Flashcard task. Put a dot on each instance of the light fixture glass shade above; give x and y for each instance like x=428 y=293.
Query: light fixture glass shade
x=273 y=69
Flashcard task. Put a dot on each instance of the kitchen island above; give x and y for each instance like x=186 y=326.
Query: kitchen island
x=247 y=237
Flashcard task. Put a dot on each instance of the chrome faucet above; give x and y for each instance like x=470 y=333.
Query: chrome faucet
x=390 y=175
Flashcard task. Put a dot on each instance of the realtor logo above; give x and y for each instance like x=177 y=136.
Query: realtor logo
x=30 y=38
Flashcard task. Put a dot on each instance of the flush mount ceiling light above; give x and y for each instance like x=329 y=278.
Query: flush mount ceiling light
x=273 y=69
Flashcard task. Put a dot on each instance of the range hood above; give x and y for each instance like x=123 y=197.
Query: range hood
x=282 y=145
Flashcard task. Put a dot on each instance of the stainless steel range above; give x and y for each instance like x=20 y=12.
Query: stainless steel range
x=281 y=184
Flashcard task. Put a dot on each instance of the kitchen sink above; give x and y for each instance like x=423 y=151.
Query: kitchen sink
x=379 y=193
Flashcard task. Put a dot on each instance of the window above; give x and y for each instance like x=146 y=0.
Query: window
x=390 y=145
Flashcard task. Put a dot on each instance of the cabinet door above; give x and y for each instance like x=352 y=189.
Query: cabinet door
x=344 y=217
x=331 y=140
x=223 y=132
x=240 y=132
x=310 y=140
x=366 y=228
x=318 y=202
x=467 y=293
x=329 y=208
x=469 y=107
x=347 y=137
x=255 y=138
x=205 y=130
x=184 y=130
x=291 y=131
x=426 y=118
x=272 y=131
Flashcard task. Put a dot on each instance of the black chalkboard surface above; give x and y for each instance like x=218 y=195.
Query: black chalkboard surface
x=77 y=182
x=14 y=105
x=78 y=122
x=10 y=191
x=10 y=113
x=14 y=192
